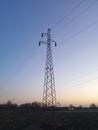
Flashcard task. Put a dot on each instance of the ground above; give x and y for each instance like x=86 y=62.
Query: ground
x=28 y=119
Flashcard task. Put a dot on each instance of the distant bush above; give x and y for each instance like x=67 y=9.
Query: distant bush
x=93 y=107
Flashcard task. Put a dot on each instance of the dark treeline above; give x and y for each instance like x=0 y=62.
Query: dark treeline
x=40 y=106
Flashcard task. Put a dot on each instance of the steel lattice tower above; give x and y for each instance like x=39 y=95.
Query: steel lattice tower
x=49 y=93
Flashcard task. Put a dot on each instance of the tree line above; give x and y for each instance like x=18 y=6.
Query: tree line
x=40 y=106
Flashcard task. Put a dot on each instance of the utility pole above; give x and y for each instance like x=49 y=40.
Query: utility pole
x=49 y=93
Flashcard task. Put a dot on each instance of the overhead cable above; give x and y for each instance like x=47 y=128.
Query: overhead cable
x=71 y=11
x=73 y=19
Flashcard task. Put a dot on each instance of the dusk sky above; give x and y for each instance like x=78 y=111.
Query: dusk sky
x=74 y=26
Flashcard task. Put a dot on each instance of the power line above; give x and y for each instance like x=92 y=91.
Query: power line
x=84 y=82
x=24 y=62
x=71 y=11
x=72 y=20
x=87 y=27
x=90 y=25
x=82 y=30
x=81 y=77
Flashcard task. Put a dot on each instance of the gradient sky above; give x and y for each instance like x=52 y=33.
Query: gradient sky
x=22 y=61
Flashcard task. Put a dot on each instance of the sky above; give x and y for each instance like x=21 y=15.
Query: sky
x=74 y=26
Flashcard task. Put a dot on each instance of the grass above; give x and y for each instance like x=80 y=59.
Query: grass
x=22 y=119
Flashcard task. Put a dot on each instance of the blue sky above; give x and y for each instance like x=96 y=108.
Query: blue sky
x=75 y=58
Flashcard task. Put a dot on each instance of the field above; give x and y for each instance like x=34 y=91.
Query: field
x=28 y=119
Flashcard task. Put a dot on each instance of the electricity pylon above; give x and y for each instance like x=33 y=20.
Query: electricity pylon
x=49 y=93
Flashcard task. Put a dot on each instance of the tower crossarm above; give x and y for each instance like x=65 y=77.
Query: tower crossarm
x=54 y=42
x=42 y=42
